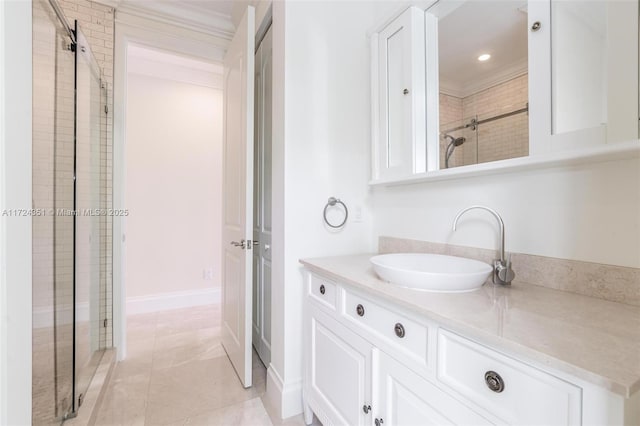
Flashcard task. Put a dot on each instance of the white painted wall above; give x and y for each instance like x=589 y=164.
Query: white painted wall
x=172 y=190
x=320 y=149
x=15 y=193
x=586 y=212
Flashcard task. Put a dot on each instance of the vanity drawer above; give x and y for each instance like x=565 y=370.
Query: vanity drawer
x=323 y=291
x=512 y=391
x=403 y=335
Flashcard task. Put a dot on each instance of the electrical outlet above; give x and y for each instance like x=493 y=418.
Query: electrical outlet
x=357 y=214
x=207 y=274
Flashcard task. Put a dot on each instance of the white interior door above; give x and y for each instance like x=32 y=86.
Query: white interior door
x=262 y=203
x=238 y=198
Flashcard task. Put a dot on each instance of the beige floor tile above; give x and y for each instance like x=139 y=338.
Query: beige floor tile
x=249 y=413
x=177 y=373
x=207 y=348
x=139 y=360
x=195 y=388
x=177 y=323
x=186 y=339
x=138 y=324
x=291 y=421
x=125 y=402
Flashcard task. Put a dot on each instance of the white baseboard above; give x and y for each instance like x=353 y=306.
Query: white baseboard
x=285 y=397
x=44 y=316
x=174 y=300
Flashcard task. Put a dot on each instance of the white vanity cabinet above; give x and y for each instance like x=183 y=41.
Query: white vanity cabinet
x=521 y=394
x=367 y=361
x=339 y=375
x=338 y=367
x=404 y=398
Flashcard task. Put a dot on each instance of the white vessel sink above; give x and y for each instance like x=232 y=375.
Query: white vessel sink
x=431 y=272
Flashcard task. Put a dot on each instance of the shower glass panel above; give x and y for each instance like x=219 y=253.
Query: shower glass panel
x=53 y=134
x=90 y=101
x=69 y=243
x=503 y=138
x=484 y=138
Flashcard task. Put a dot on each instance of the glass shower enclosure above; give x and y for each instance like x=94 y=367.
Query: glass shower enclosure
x=69 y=232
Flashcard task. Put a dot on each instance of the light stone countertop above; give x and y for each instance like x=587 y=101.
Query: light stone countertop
x=592 y=339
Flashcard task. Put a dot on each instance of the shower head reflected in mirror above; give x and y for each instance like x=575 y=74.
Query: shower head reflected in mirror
x=454 y=142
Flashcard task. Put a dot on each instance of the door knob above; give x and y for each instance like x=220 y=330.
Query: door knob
x=240 y=244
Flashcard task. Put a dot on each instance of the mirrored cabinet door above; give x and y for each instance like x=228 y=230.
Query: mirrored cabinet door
x=483 y=81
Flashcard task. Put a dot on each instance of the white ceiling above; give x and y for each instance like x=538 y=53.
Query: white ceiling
x=498 y=28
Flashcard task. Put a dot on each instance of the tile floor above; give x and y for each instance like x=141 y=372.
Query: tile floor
x=177 y=373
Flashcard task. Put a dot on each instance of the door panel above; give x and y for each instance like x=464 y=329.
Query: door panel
x=340 y=371
x=238 y=198
x=262 y=203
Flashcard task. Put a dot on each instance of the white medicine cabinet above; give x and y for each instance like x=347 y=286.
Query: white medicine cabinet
x=470 y=86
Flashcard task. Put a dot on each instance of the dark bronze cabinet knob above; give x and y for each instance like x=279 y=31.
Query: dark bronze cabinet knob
x=322 y=289
x=494 y=381
x=399 y=329
x=366 y=408
x=360 y=310
x=378 y=422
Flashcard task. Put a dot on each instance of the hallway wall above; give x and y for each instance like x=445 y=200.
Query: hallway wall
x=173 y=193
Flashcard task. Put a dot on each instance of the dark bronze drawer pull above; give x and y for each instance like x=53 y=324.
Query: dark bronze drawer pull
x=360 y=310
x=494 y=381
x=322 y=289
x=399 y=329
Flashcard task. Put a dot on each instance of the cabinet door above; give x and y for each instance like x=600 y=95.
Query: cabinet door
x=399 y=62
x=402 y=398
x=583 y=74
x=338 y=372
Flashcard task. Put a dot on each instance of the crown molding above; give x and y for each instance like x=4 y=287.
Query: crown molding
x=153 y=63
x=476 y=86
x=183 y=15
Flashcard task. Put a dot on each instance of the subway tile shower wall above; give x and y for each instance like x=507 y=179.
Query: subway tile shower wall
x=97 y=24
x=496 y=140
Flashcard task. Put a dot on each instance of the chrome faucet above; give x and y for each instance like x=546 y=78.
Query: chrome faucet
x=502 y=272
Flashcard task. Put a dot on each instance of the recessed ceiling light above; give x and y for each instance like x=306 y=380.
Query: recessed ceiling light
x=484 y=57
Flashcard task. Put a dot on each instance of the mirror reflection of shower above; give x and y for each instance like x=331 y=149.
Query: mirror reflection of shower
x=483 y=81
x=454 y=142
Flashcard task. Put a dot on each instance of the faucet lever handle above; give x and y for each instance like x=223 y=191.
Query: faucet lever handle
x=506 y=274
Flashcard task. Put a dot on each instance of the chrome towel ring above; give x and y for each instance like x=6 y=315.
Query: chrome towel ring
x=332 y=202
